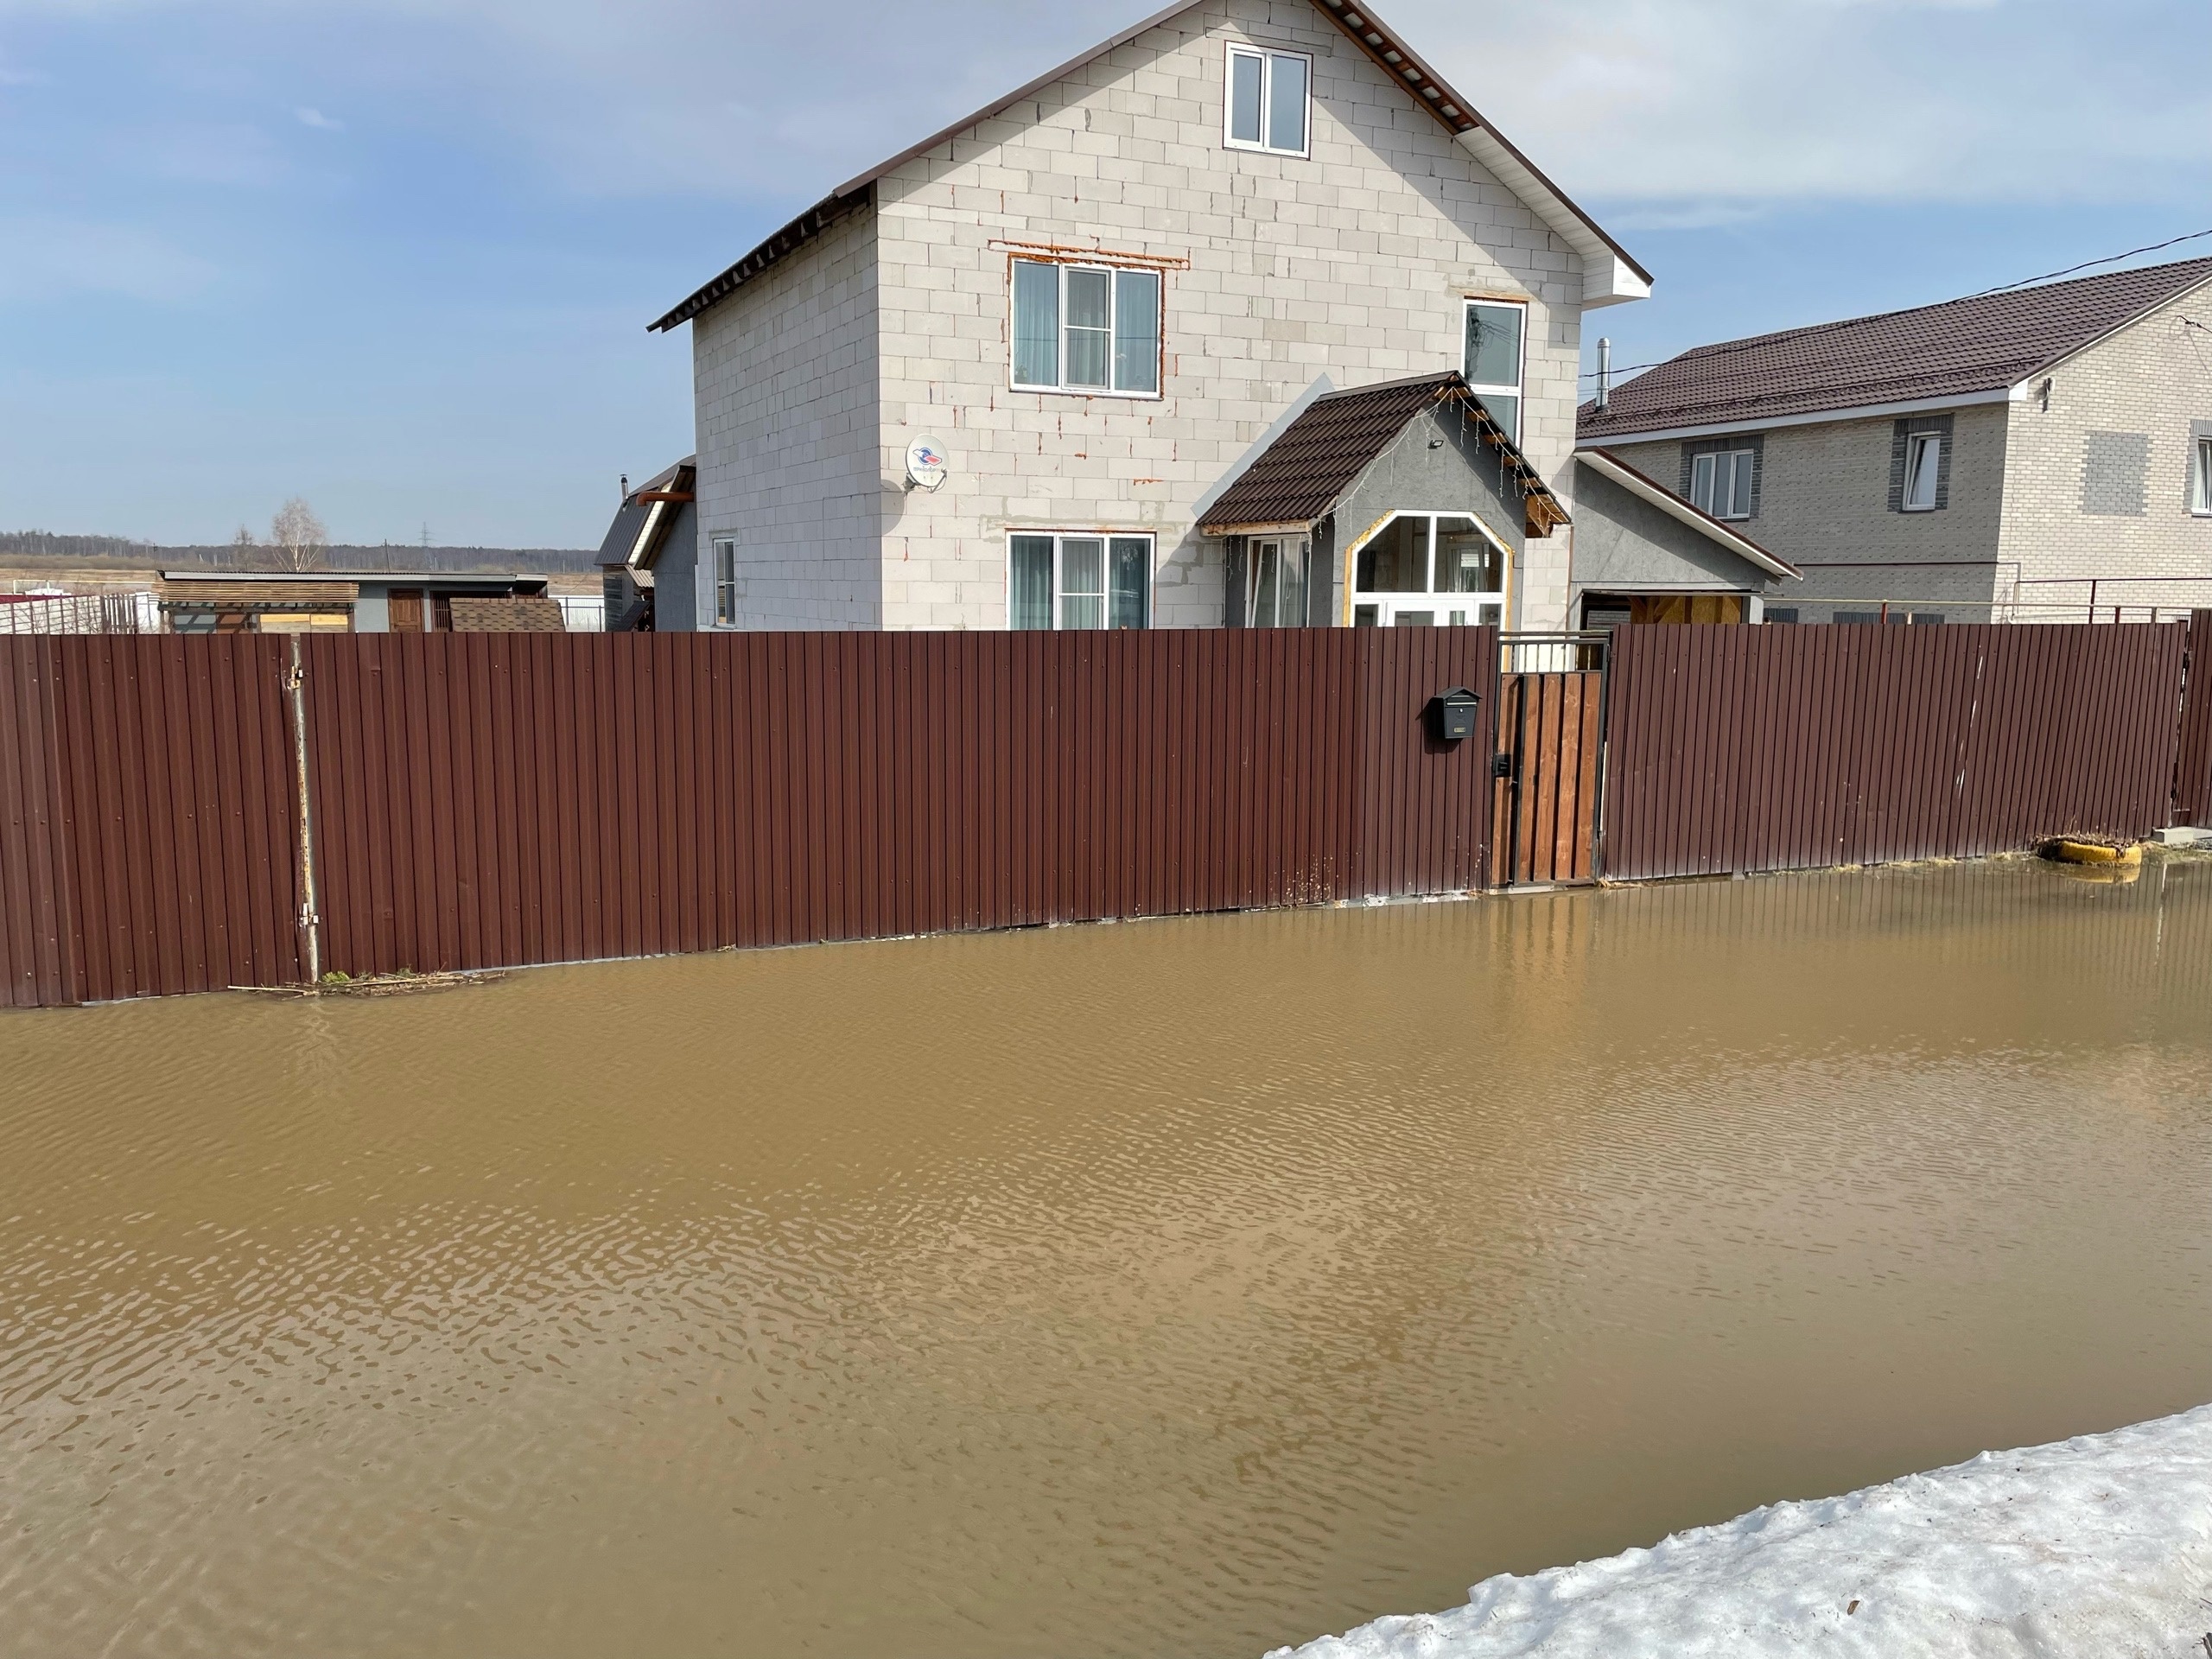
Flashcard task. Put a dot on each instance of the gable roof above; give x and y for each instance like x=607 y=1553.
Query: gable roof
x=1320 y=455
x=1644 y=487
x=1423 y=85
x=1985 y=345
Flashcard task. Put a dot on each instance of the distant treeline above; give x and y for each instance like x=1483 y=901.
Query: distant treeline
x=47 y=548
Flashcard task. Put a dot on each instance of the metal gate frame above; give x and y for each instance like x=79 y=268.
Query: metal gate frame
x=1522 y=659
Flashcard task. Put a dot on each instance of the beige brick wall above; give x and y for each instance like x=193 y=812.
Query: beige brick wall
x=1352 y=263
x=789 y=423
x=1824 y=502
x=2152 y=380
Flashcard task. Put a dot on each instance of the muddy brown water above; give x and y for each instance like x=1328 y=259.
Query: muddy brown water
x=1184 y=1287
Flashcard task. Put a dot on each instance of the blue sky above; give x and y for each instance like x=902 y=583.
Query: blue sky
x=397 y=256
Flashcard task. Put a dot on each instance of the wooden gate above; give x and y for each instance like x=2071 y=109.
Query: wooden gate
x=1550 y=772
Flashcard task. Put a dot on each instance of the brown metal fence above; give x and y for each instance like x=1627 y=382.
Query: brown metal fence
x=147 y=833
x=1741 y=749
x=495 y=800
x=2193 y=773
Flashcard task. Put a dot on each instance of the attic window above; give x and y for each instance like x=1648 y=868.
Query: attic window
x=1497 y=341
x=1270 y=95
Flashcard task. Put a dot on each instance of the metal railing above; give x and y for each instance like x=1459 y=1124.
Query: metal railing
x=1552 y=653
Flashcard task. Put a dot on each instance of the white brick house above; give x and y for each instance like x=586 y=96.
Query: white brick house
x=1098 y=298
x=2040 y=454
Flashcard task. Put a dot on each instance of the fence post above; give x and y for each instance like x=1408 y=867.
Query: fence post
x=296 y=683
x=2192 y=798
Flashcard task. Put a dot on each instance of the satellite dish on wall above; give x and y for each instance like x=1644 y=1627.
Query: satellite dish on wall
x=926 y=467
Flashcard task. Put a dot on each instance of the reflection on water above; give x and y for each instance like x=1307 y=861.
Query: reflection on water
x=1179 y=1289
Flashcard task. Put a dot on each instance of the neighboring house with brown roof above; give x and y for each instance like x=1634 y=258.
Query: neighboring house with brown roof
x=2041 y=453
x=1008 y=378
x=649 y=563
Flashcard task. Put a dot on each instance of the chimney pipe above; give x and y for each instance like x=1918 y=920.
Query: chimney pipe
x=626 y=486
x=1604 y=375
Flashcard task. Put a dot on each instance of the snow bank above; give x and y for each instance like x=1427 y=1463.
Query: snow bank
x=2099 y=1546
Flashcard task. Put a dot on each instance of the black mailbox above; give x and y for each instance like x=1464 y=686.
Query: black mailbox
x=1452 y=714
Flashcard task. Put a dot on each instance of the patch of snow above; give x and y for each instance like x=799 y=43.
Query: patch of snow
x=2101 y=1546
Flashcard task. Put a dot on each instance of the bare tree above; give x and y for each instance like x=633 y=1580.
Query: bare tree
x=297 y=537
x=243 y=544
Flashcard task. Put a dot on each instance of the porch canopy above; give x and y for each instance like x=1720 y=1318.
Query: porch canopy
x=1390 y=505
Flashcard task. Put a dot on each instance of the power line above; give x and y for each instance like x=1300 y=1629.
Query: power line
x=2025 y=282
x=2029 y=282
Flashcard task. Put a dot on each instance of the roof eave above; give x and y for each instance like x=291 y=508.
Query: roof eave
x=1610 y=275
x=1801 y=417
x=2021 y=389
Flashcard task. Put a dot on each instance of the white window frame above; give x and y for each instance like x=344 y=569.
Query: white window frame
x=1114 y=274
x=1923 y=463
x=1255 y=550
x=1742 y=463
x=1268 y=56
x=725 y=576
x=1061 y=540
x=2200 y=500
x=1519 y=390
x=1445 y=610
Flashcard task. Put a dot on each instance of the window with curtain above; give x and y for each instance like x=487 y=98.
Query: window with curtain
x=2201 y=502
x=1078 y=581
x=1090 y=329
x=1497 y=349
x=1270 y=101
x=1275 y=579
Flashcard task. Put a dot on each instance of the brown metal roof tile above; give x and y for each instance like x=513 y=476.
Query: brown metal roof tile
x=1319 y=456
x=1320 y=453
x=1985 y=344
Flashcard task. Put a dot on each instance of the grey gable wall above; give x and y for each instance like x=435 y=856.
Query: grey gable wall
x=1624 y=543
x=1437 y=464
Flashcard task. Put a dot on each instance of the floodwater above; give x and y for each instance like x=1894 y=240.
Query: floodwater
x=1184 y=1287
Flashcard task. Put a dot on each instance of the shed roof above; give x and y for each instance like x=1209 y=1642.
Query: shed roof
x=1367 y=31
x=1642 y=486
x=1986 y=344
x=510 y=613
x=1320 y=455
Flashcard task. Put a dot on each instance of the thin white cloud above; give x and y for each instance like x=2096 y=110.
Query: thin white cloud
x=1686 y=106
x=318 y=120
x=1661 y=101
x=1700 y=216
x=50 y=258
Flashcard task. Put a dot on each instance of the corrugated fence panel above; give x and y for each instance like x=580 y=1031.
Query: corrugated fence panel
x=1740 y=749
x=493 y=800
x=490 y=800
x=36 y=923
x=146 y=798
x=2193 y=777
